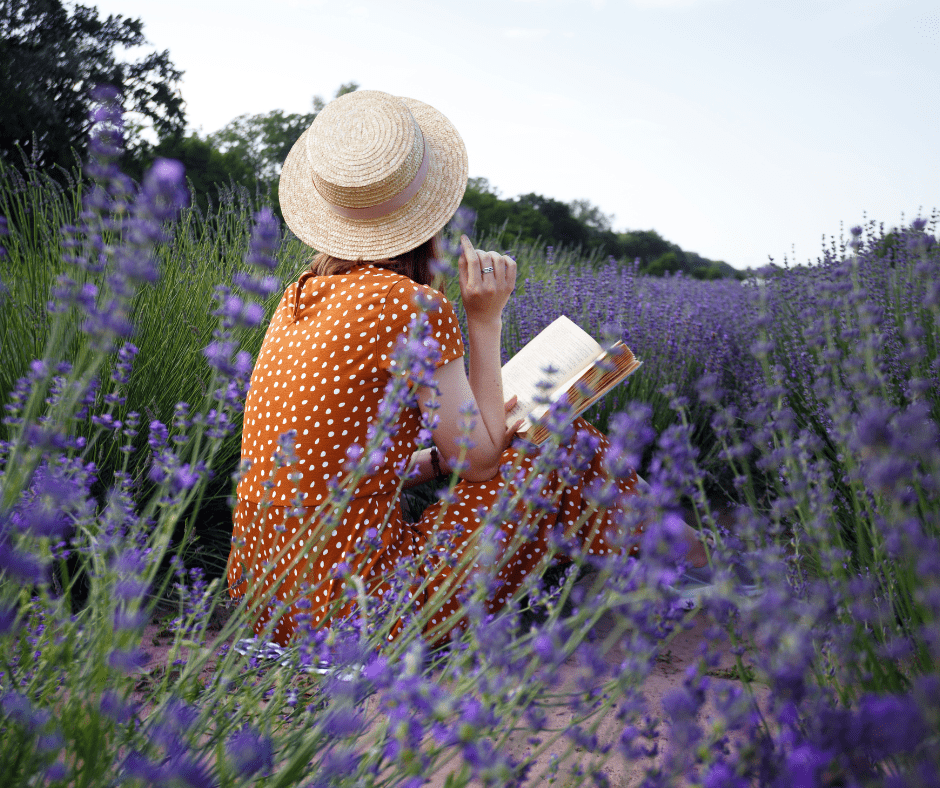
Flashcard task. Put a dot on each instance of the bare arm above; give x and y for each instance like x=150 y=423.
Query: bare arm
x=482 y=459
x=484 y=295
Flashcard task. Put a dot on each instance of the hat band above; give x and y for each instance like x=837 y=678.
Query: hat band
x=390 y=205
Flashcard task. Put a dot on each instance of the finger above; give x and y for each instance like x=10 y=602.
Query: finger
x=462 y=263
x=499 y=263
x=511 y=403
x=471 y=260
x=466 y=244
x=510 y=270
x=511 y=433
x=495 y=261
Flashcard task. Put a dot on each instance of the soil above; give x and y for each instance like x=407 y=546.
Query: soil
x=667 y=675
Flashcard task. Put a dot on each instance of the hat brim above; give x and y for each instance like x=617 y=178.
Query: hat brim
x=311 y=218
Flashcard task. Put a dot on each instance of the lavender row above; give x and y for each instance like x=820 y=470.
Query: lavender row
x=815 y=388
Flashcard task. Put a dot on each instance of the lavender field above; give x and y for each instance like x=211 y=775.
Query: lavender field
x=803 y=406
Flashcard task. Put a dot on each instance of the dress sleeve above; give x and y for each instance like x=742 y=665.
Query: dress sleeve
x=401 y=308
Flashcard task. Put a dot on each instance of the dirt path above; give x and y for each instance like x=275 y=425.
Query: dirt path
x=666 y=676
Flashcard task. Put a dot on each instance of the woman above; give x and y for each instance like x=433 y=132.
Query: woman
x=370 y=185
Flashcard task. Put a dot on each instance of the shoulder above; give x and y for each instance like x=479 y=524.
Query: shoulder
x=422 y=297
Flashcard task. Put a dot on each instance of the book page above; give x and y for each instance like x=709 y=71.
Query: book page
x=596 y=379
x=563 y=345
x=587 y=387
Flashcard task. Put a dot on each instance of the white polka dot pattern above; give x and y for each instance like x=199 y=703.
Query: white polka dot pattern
x=321 y=371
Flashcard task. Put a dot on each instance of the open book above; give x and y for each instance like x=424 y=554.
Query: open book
x=583 y=372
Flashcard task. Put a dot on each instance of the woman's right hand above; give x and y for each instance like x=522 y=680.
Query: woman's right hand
x=484 y=294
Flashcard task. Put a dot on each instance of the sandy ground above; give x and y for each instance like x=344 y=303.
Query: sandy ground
x=667 y=674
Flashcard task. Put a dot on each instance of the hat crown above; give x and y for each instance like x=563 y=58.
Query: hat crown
x=364 y=148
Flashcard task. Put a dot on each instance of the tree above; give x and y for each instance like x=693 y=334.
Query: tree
x=591 y=215
x=208 y=170
x=515 y=220
x=51 y=59
x=645 y=244
x=263 y=141
x=566 y=229
x=533 y=218
x=667 y=263
x=710 y=271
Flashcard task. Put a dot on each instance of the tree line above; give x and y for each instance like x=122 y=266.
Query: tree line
x=532 y=218
x=52 y=56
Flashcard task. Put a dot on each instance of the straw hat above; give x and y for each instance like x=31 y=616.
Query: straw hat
x=374 y=176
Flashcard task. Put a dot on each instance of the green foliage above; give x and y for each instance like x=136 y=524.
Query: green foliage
x=713 y=270
x=263 y=141
x=590 y=215
x=505 y=221
x=247 y=153
x=566 y=230
x=173 y=317
x=208 y=169
x=35 y=206
x=342 y=90
x=534 y=220
x=50 y=60
x=667 y=263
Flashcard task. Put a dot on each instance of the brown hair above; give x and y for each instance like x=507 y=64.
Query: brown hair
x=415 y=264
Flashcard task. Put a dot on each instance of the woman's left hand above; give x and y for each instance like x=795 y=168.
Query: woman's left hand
x=514 y=428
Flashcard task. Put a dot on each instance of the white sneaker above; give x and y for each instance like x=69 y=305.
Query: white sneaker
x=285 y=657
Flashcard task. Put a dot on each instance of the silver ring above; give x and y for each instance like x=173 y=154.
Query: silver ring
x=487 y=270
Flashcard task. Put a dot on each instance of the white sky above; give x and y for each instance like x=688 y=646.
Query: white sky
x=737 y=129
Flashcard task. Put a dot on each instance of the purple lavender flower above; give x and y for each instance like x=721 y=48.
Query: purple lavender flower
x=8 y=616
x=182 y=768
x=630 y=434
x=57 y=495
x=116 y=708
x=163 y=191
x=250 y=752
x=184 y=478
x=128 y=660
x=265 y=237
x=462 y=221
x=18 y=708
x=125 y=361
x=139 y=766
x=443 y=268
x=342 y=722
x=18 y=564
x=159 y=435
x=337 y=761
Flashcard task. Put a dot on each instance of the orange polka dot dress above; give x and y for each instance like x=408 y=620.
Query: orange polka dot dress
x=316 y=387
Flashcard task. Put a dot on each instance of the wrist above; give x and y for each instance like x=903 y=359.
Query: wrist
x=489 y=323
